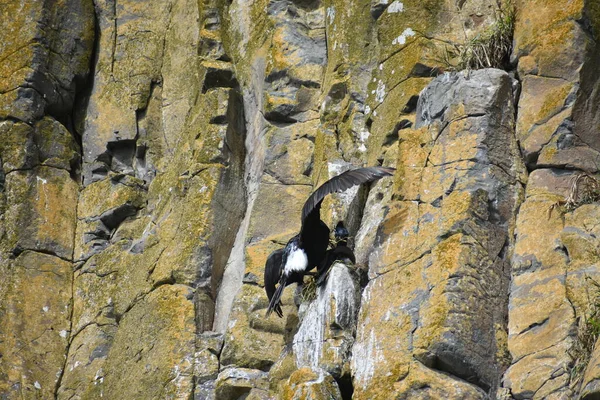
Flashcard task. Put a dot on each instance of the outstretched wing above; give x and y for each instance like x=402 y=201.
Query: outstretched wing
x=342 y=182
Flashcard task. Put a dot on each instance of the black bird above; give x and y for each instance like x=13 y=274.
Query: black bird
x=341 y=252
x=306 y=250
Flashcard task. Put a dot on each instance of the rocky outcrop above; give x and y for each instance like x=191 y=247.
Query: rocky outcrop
x=556 y=137
x=153 y=154
x=442 y=247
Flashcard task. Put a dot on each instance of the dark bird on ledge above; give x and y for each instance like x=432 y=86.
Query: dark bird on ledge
x=341 y=252
x=307 y=249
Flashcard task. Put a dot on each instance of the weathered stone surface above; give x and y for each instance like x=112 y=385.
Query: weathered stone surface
x=150 y=354
x=440 y=248
x=103 y=207
x=234 y=383
x=251 y=340
x=539 y=337
x=409 y=55
x=327 y=325
x=555 y=263
x=38 y=169
x=17 y=147
x=554 y=124
x=40 y=213
x=423 y=382
x=203 y=129
x=46 y=50
x=47 y=143
x=89 y=348
x=131 y=43
x=296 y=61
x=35 y=311
x=313 y=384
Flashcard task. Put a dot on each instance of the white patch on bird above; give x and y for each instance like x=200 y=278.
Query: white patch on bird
x=296 y=261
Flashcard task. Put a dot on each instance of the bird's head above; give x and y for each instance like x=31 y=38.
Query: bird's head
x=340 y=233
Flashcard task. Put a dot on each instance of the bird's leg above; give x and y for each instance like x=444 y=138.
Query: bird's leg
x=312 y=273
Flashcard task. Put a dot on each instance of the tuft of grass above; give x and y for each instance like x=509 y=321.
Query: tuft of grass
x=309 y=289
x=488 y=49
x=585 y=189
x=588 y=331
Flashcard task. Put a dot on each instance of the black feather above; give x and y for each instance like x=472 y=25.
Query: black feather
x=342 y=182
x=275 y=304
x=273 y=268
x=339 y=253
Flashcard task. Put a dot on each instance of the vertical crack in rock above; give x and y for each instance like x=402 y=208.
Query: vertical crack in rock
x=234 y=269
x=69 y=337
x=229 y=207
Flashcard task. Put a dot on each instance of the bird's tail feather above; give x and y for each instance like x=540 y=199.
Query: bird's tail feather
x=275 y=304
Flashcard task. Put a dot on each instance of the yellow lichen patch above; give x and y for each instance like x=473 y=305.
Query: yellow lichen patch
x=536 y=289
x=208 y=147
x=414 y=151
x=384 y=341
x=457 y=206
x=281 y=371
x=446 y=254
x=159 y=332
x=389 y=113
x=277 y=210
x=16 y=145
x=549 y=33
x=433 y=321
x=426 y=383
x=399 y=30
x=541 y=135
x=251 y=344
x=41 y=213
x=107 y=194
x=458 y=142
x=554 y=102
x=34 y=323
x=56 y=193
x=186 y=229
x=502 y=353
x=535 y=18
x=308 y=384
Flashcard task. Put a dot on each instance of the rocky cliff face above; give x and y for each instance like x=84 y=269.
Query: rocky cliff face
x=154 y=153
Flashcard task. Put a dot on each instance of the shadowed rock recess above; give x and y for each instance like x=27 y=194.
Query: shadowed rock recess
x=153 y=154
